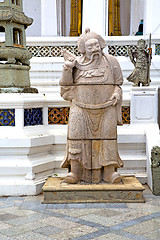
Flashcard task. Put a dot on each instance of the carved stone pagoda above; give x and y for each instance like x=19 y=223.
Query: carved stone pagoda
x=14 y=56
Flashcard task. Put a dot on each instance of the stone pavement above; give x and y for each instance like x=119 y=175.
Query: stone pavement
x=26 y=218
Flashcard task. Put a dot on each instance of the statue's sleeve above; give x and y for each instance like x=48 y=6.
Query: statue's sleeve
x=67 y=77
x=66 y=84
x=118 y=80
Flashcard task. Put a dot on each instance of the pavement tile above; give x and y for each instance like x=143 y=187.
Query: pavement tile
x=107 y=213
x=143 y=227
x=32 y=236
x=17 y=230
x=16 y=211
x=2 y=237
x=3 y=199
x=153 y=235
x=73 y=213
x=112 y=236
x=33 y=205
x=48 y=230
x=56 y=206
x=11 y=199
x=8 y=216
x=73 y=233
x=27 y=219
x=99 y=219
x=4 y=225
x=7 y=204
x=34 y=198
x=59 y=222
x=147 y=208
x=117 y=205
x=107 y=219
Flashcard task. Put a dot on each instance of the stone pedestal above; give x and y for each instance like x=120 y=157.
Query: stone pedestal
x=57 y=191
x=143 y=105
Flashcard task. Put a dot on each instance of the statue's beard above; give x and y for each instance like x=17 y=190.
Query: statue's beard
x=95 y=55
x=92 y=63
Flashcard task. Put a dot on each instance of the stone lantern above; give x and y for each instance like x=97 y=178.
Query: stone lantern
x=14 y=56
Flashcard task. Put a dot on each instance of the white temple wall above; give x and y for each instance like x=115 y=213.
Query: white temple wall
x=152 y=17
x=33 y=9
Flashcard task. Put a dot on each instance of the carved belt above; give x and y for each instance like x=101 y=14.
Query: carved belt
x=94 y=106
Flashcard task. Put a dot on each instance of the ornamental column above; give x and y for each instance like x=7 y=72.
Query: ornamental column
x=114 y=18
x=76 y=18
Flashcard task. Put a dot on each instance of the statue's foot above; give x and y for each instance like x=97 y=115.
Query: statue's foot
x=115 y=178
x=71 y=178
x=110 y=175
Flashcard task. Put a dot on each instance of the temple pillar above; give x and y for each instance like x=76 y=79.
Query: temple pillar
x=94 y=16
x=48 y=18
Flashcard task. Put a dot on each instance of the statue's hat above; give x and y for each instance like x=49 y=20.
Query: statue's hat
x=89 y=35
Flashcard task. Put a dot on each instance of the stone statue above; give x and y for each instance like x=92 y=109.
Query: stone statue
x=141 y=60
x=92 y=83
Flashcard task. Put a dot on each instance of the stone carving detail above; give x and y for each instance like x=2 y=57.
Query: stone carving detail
x=155 y=157
x=92 y=83
x=140 y=59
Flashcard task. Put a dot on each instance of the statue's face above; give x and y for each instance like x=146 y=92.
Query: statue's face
x=141 y=46
x=92 y=47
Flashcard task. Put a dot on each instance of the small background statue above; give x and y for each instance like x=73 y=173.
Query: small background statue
x=141 y=60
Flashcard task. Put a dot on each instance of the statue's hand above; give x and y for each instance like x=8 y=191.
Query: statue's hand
x=70 y=63
x=116 y=98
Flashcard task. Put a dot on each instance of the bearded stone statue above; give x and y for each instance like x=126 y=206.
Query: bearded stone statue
x=92 y=83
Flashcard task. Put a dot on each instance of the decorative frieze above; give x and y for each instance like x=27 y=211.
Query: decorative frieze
x=51 y=51
x=33 y=116
x=157 y=49
x=57 y=51
x=7 y=117
x=58 y=115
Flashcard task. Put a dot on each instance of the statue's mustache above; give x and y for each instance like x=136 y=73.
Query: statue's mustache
x=91 y=64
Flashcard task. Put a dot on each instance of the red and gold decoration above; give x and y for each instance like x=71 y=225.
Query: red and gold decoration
x=114 y=18
x=76 y=18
